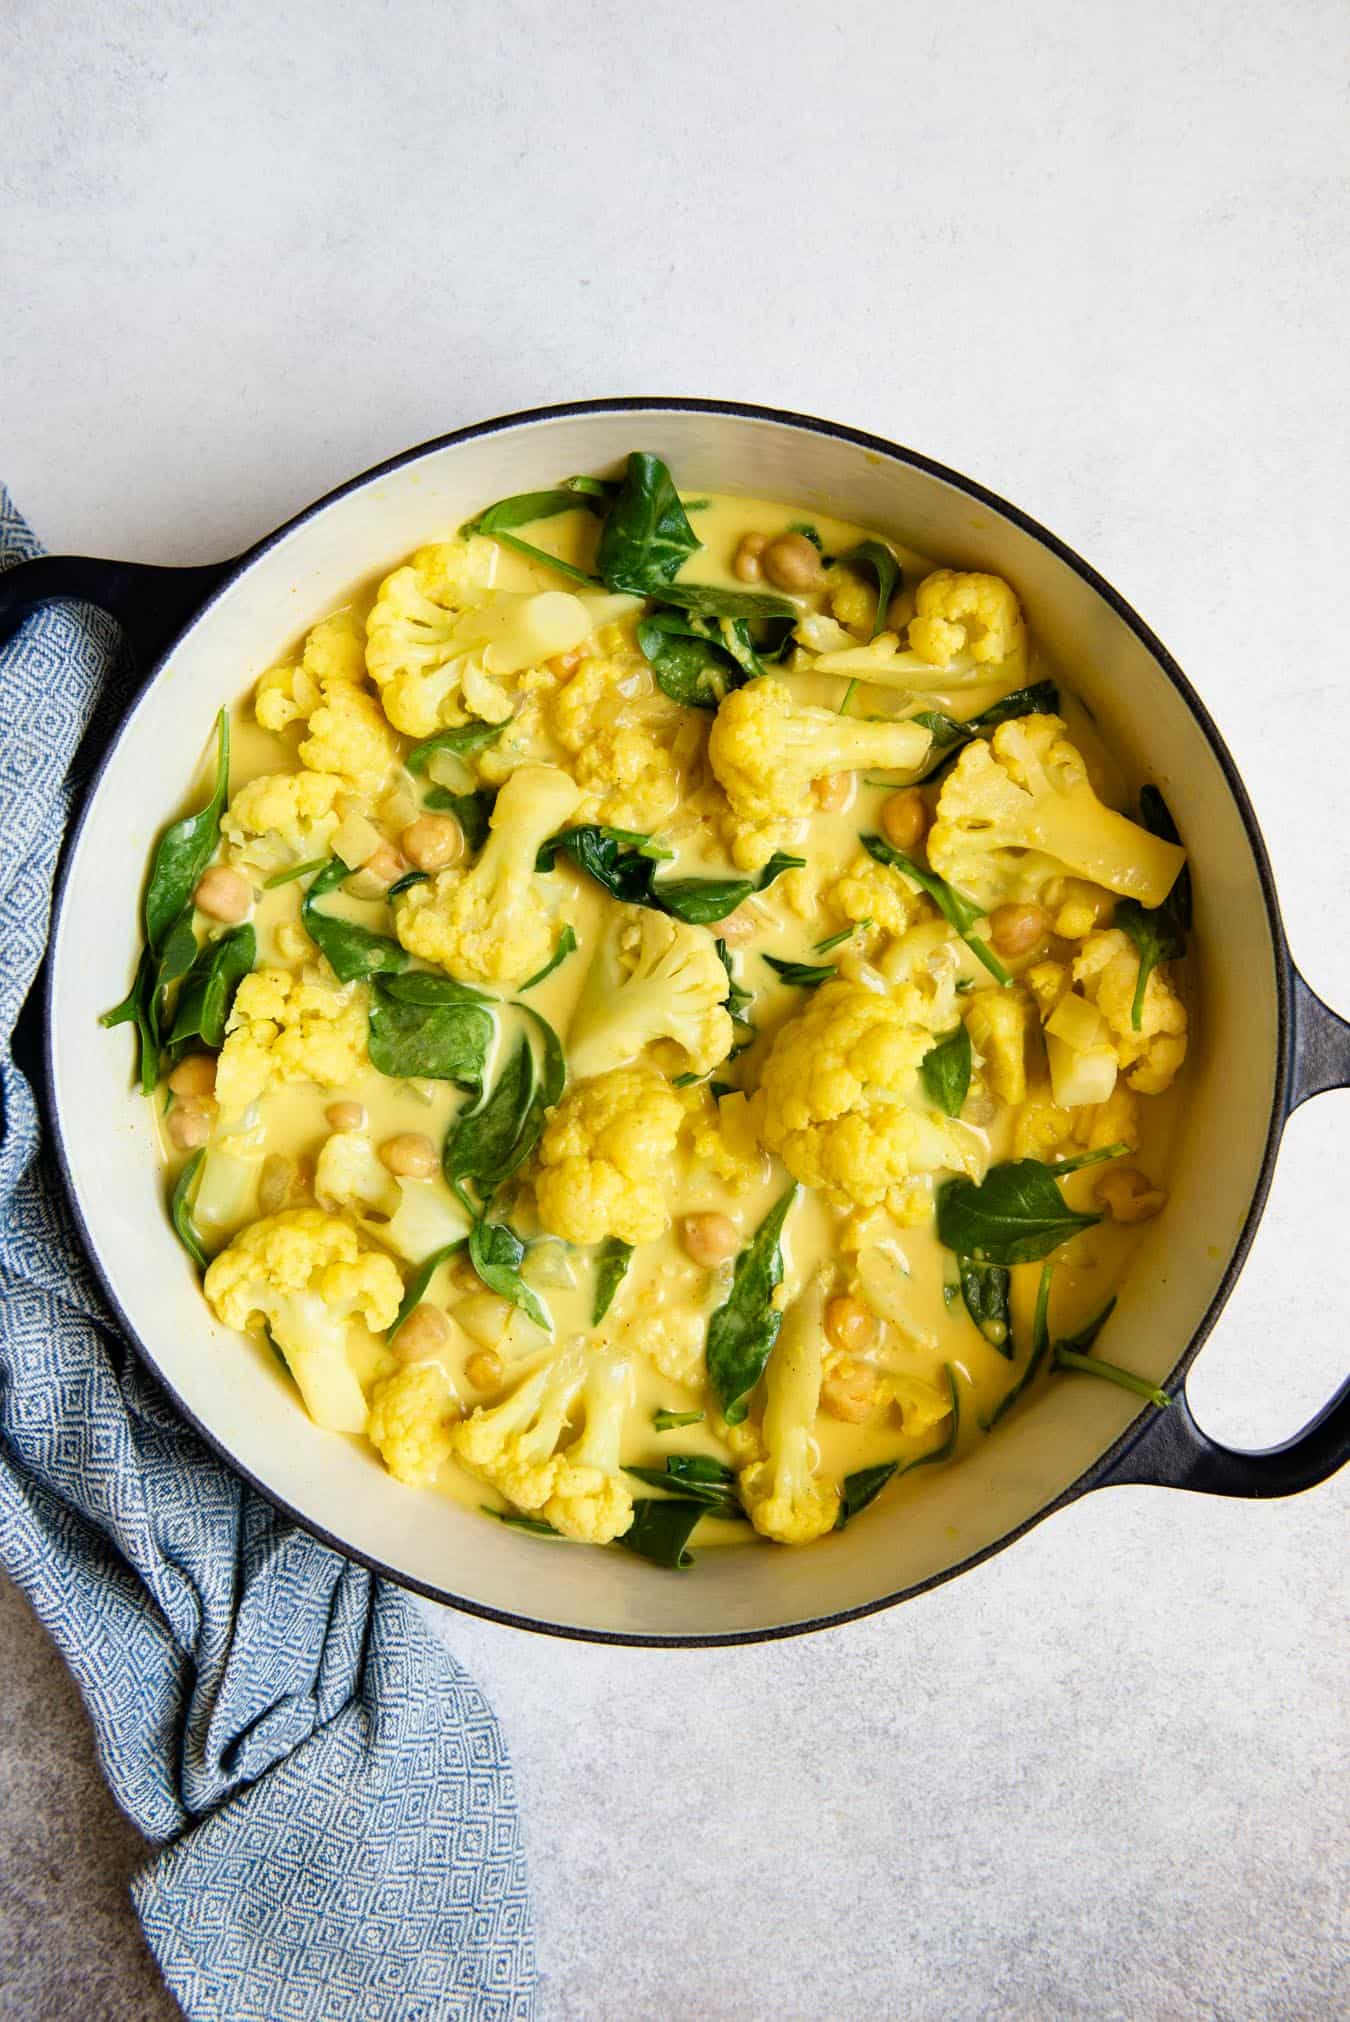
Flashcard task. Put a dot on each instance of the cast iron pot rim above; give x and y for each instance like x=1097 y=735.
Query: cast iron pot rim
x=894 y=453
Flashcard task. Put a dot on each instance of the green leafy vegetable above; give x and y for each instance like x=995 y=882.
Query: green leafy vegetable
x=1087 y=1158
x=513 y=1519
x=351 y=952
x=848 y=695
x=1040 y=1345
x=1015 y=1215
x=743 y=1330
x=844 y=934
x=624 y=864
x=288 y=876
x=675 y=1421
x=866 y=1485
x=465 y=737
x=208 y=989
x=1075 y=1352
x=702 y=901
x=950 y=732
x=959 y=911
x=522 y=511
x=694 y=664
x=496 y=1253
x=489 y=1140
x=703 y=1480
x=756 y=607
x=986 y=1290
x=406 y=883
x=180 y=1210
x=646 y=538
x=808 y=532
x=876 y=558
x=473 y=811
x=945 y=1071
x=567 y=945
x=661 y=1530
x=610 y=1270
x=430 y=1028
x=1158 y=932
x=416 y=1288
x=738 y=1001
x=805 y=975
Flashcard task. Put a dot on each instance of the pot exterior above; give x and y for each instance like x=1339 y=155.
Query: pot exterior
x=1229 y=1120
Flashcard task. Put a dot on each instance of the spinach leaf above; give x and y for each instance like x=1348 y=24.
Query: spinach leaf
x=693 y=664
x=1087 y=1158
x=646 y=538
x=605 y=488
x=185 y=849
x=866 y=1485
x=416 y=1288
x=660 y=1531
x=987 y=1292
x=623 y=863
x=465 y=737
x=1158 y=932
x=702 y=901
x=805 y=975
x=1040 y=1344
x=738 y=1001
x=473 y=811
x=522 y=511
x=536 y=1526
x=351 y=952
x=844 y=934
x=756 y=607
x=430 y=1028
x=808 y=532
x=674 y=1421
x=611 y=1267
x=1075 y=1352
x=950 y=732
x=406 y=883
x=1016 y=1214
x=208 y=989
x=702 y=1480
x=876 y=557
x=959 y=911
x=180 y=1210
x=487 y=1141
x=567 y=945
x=138 y=1008
x=496 y=1253
x=945 y=1071
x=288 y=876
x=553 y=1074
x=743 y=1330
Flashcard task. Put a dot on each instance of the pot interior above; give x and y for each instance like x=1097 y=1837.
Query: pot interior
x=927 y=1527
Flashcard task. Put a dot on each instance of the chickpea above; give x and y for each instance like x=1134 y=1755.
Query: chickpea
x=1016 y=930
x=463 y=1276
x=746 y=565
x=385 y=865
x=849 y=1324
x=346 y=1116
x=709 y=1239
x=194 y=1076
x=904 y=818
x=849 y=1392
x=485 y=1369
x=425 y=1333
x=1129 y=1196
x=833 y=791
x=792 y=562
x=188 y=1126
x=432 y=841
x=276 y=1182
x=222 y=894
x=411 y=1155
x=738 y=927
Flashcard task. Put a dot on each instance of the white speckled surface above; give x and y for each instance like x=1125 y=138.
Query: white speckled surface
x=1098 y=258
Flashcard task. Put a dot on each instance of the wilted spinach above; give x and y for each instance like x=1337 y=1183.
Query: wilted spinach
x=1014 y=1215
x=945 y=1071
x=1158 y=932
x=611 y=1267
x=876 y=559
x=208 y=989
x=959 y=911
x=352 y=952
x=866 y=1485
x=742 y=1331
x=430 y=1028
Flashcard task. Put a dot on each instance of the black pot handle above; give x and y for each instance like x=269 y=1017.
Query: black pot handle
x=151 y=604
x=1171 y=1451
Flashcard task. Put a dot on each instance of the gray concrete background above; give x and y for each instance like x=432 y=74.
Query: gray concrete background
x=1097 y=257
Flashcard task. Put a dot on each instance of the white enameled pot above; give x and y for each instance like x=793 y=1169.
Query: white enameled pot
x=1265 y=1042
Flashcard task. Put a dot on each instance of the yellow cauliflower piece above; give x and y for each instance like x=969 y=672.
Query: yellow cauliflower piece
x=841 y=1102
x=1047 y=982
x=1106 y=969
x=410 y=645
x=1019 y=810
x=490 y=923
x=783 y=1498
x=652 y=978
x=722 y=1138
x=767 y=751
x=516 y=1444
x=606 y=1159
x=281 y=817
x=349 y=737
x=852 y=601
x=333 y=654
x=1000 y=1023
x=965 y=615
x=412 y=1420
x=871 y=891
x=1076 y=907
x=304 y=1275
x=619 y=743
x=283 y=1030
x=1043 y=1130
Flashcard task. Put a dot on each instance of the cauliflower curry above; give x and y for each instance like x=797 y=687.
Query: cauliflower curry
x=660 y=1022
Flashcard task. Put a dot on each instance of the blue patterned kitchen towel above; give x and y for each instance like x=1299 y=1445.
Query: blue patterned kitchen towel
x=329 y=1791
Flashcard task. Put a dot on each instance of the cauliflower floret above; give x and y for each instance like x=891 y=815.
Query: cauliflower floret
x=1028 y=790
x=1047 y=982
x=412 y=1420
x=1000 y=1024
x=412 y=1217
x=782 y=1497
x=852 y=601
x=766 y=751
x=439 y=642
x=620 y=743
x=283 y=1030
x=489 y=924
x=515 y=1444
x=872 y=891
x=282 y=818
x=333 y=653
x=652 y=978
x=1045 y=1131
x=304 y=1274
x=960 y=615
x=606 y=1159
x=841 y=1102
x=349 y=737
x=1076 y=908
x=722 y=1138
x=1106 y=969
